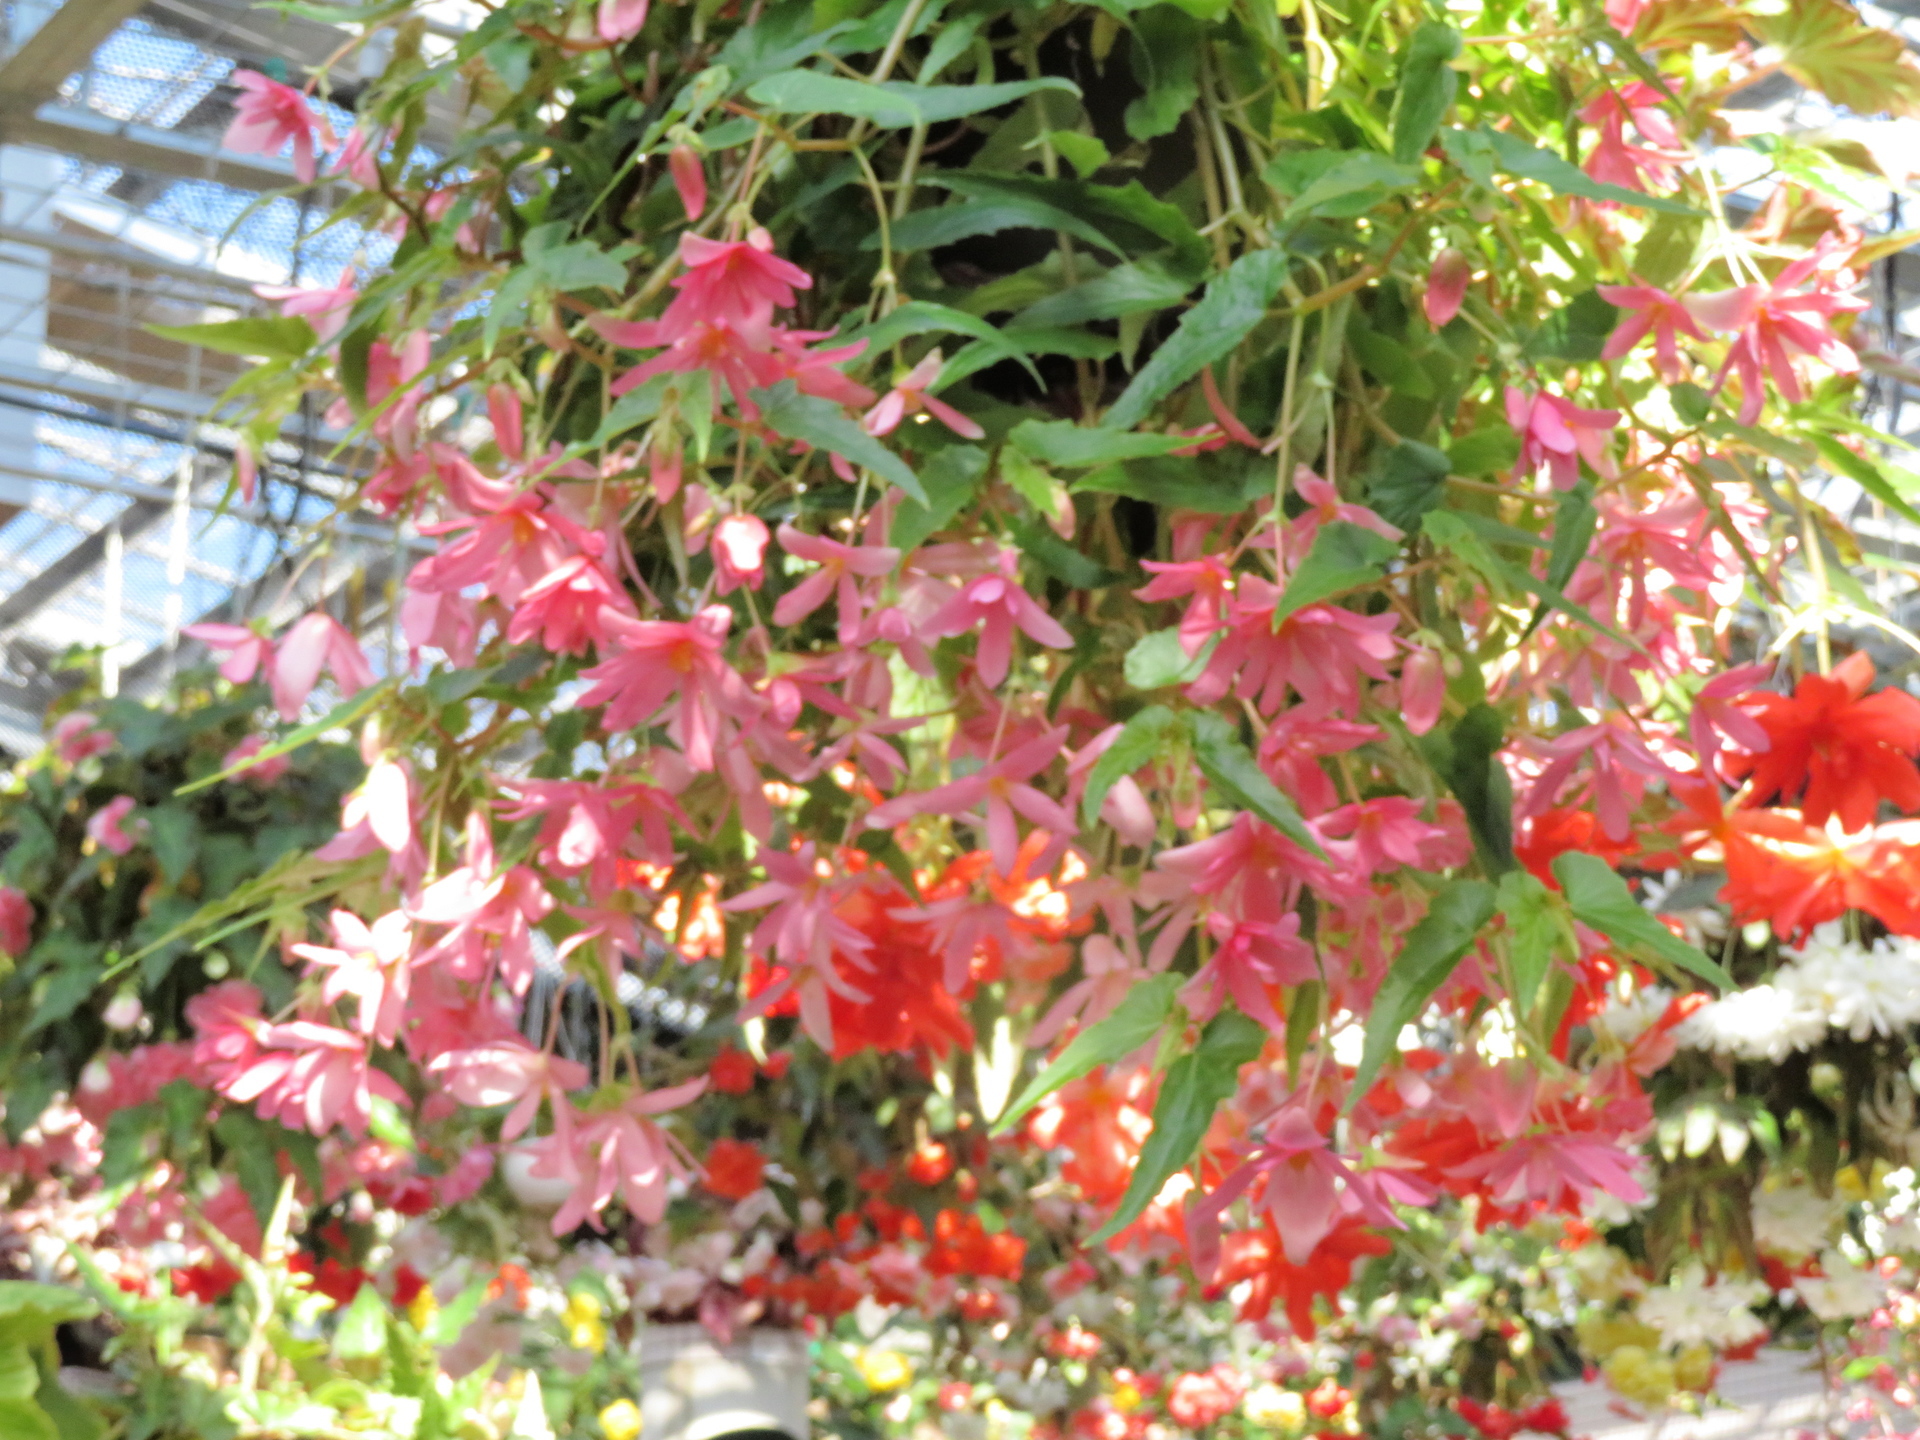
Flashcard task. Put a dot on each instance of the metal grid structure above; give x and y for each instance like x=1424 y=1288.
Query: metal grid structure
x=119 y=209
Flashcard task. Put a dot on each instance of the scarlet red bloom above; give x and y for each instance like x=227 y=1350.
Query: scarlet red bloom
x=930 y=1164
x=733 y=1169
x=1258 y=1256
x=1846 y=750
x=731 y=1072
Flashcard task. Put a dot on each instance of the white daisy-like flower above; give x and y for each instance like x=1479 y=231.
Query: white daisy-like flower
x=1763 y=1022
x=1690 y=1310
x=1793 y=1221
x=1843 y=1291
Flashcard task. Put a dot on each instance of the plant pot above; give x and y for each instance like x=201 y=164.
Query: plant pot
x=694 y=1389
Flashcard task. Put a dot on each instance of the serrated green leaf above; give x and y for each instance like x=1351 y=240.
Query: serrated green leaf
x=1427 y=85
x=950 y=479
x=1131 y=289
x=1864 y=473
x=1141 y=739
x=1533 y=933
x=362 y=1331
x=1344 y=557
x=821 y=423
x=1432 y=948
x=1463 y=756
x=1135 y=1021
x=1072 y=447
x=1197 y=1084
x=1601 y=901
x=1233 y=771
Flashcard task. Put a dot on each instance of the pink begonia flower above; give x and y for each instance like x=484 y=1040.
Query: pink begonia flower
x=1447 y=281
x=107 y=827
x=506 y=551
x=655 y=661
x=620 y=20
x=267 y=116
x=587 y=825
x=1290 y=753
x=1324 y=506
x=841 y=568
x=465 y=1180
x=1718 y=714
x=359 y=158
x=314 y=1076
x=1617 y=754
x=372 y=963
x=1556 y=433
x=326 y=307
x=1304 y=1187
x=1383 y=834
x=443 y=620
x=1110 y=975
x=1556 y=1170
x=1320 y=651
x=508 y=420
x=379 y=816
x=481 y=903
x=315 y=642
x=1624 y=15
x=1779 y=321
x=1248 y=958
x=226 y=1023
x=16 y=922
x=803 y=932
x=739 y=550
x=1651 y=310
x=568 y=605
x=816 y=372
x=257 y=772
x=689 y=179
x=78 y=736
x=863 y=743
x=1249 y=870
x=996 y=605
x=1001 y=784
x=909 y=397
x=1615 y=161
x=1423 y=689
x=613 y=1152
x=509 y=1072
x=247 y=651
x=1210 y=582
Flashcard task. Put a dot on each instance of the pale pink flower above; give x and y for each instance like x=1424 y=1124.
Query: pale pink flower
x=1423 y=689
x=1320 y=651
x=1210 y=583
x=1621 y=763
x=910 y=396
x=443 y=619
x=1290 y=753
x=620 y=20
x=1324 y=506
x=78 y=736
x=1125 y=807
x=16 y=922
x=1002 y=786
x=1249 y=958
x=227 y=1025
x=568 y=605
x=1303 y=1186
x=1556 y=1170
x=841 y=569
x=269 y=115
x=313 y=1076
x=1381 y=834
x=1615 y=161
x=1780 y=321
x=689 y=179
x=1651 y=310
x=370 y=963
x=506 y=550
x=325 y=306
x=586 y=826
x=359 y=158
x=611 y=1152
x=739 y=553
x=108 y=827
x=509 y=426
x=996 y=605
x=508 y=1072
x=1718 y=714
x=247 y=651
x=1447 y=281
x=1557 y=434
x=316 y=642
x=1109 y=974
x=655 y=661
x=481 y=902
x=257 y=772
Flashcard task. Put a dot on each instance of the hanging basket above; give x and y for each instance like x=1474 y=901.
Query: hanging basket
x=694 y=1389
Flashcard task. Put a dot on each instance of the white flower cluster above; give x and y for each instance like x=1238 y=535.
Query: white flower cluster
x=1844 y=1291
x=1690 y=1310
x=1793 y=1220
x=1831 y=983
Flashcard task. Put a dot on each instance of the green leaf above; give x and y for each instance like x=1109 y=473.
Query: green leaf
x=124 y=1149
x=1165 y=55
x=338 y=718
x=1483 y=150
x=1158 y=660
x=457 y=1314
x=362 y=1331
x=1135 y=1021
x=1344 y=556
x=1577 y=331
x=1533 y=931
x=1433 y=947
x=1483 y=452
x=986 y=208
x=1864 y=473
x=1340 y=184
x=571 y=264
x=894 y=104
x=1463 y=755
x=1234 y=303
x=950 y=479
x=1427 y=86
x=821 y=423
x=1084 y=152
x=1232 y=771
x=1601 y=901
x=34 y=1310
x=1141 y=739
x=1667 y=249
x=1574 y=519
x=173 y=834
x=1407 y=481
x=1017 y=343
x=1071 y=446
x=1061 y=560
x=921 y=317
x=66 y=990
x=24 y=1420
x=1131 y=289
x=1197 y=1084
x=19 y=1376
x=634 y=409
x=280 y=336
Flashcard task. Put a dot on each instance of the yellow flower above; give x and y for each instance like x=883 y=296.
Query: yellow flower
x=422 y=1308
x=1601 y=1335
x=621 y=1421
x=1693 y=1368
x=1641 y=1375
x=581 y=1320
x=1272 y=1408
x=884 y=1369
x=1126 y=1398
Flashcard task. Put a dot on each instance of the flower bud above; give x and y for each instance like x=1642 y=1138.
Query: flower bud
x=689 y=178
x=1446 y=286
